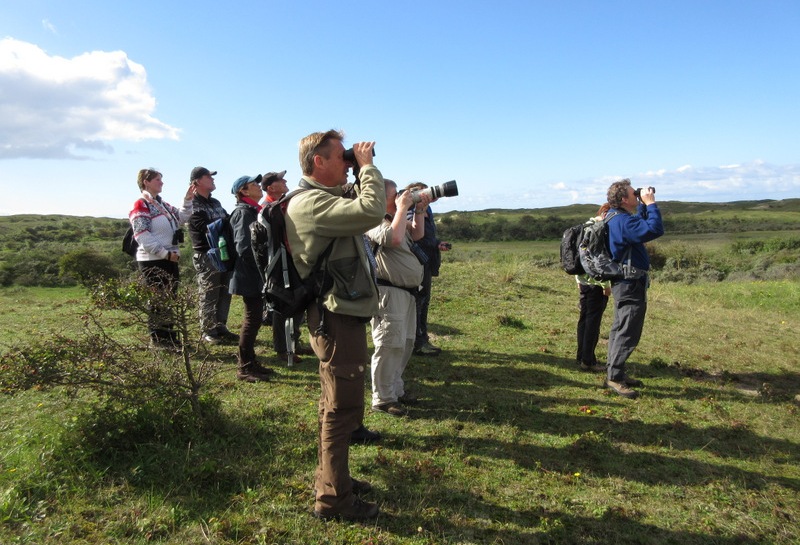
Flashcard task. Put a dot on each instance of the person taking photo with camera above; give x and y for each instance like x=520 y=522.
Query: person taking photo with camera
x=433 y=248
x=638 y=221
x=399 y=275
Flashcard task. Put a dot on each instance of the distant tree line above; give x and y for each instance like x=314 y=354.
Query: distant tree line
x=56 y=251
x=473 y=227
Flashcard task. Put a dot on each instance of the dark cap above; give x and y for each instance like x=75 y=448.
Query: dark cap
x=199 y=172
x=270 y=177
x=243 y=181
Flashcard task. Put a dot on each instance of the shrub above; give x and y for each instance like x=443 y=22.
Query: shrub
x=119 y=372
x=87 y=266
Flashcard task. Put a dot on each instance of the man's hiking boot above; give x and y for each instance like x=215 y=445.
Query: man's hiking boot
x=427 y=349
x=393 y=408
x=622 y=389
x=228 y=336
x=364 y=435
x=213 y=339
x=633 y=382
x=249 y=373
x=303 y=349
x=408 y=399
x=261 y=370
x=284 y=356
x=360 y=487
x=359 y=510
x=593 y=368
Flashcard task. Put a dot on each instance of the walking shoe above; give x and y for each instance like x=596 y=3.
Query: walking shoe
x=166 y=345
x=260 y=369
x=364 y=435
x=360 y=510
x=227 y=335
x=427 y=349
x=285 y=357
x=635 y=382
x=593 y=368
x=622 y=389
x=246 y=373
x=393 y=408
x=408 y=399
x=303 y=350
x=212 y=339
x=360 y=487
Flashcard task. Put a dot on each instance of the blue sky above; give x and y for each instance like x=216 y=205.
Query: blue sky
x=527 y=104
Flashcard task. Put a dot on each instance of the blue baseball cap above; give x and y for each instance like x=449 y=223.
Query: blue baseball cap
x=243 y=181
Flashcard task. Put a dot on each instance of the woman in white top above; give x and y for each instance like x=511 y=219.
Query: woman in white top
x=157 y=229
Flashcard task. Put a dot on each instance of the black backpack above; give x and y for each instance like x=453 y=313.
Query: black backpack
x=595 y=252
x=129 y=244
x=284 y=291
x=570 y=255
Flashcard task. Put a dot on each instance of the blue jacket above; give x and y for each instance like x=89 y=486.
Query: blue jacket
x=626 y=229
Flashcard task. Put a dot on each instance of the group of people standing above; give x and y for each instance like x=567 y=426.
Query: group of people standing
x=368 y=236
x=157 y=228
x=370 y=228
x=633 y=219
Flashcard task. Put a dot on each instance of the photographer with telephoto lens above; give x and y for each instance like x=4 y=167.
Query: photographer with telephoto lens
x=433 y=248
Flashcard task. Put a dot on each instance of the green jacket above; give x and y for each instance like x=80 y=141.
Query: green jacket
x=315 y=218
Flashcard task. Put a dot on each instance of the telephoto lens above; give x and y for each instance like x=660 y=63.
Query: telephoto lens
x=447 y=189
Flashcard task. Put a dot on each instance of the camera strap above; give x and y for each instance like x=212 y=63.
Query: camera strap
x=162 y=208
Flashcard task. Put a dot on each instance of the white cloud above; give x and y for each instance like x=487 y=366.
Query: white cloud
x=755 y=180
x=51 y=107
x=744 y=181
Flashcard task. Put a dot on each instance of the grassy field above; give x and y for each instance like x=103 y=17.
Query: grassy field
x=510 y=444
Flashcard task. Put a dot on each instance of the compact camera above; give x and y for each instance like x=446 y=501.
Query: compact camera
x=447 y=189
x=177 y=237
x=638 y=191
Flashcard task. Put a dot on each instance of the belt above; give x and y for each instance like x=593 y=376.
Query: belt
x=412 y=291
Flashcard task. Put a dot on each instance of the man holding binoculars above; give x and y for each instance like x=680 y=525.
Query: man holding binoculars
x=638 y=220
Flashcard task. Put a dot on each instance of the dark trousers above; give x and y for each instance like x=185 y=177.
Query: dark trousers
x=162 y=276
x=630 y=307
x=251 y=323
x=423 y=297
x=592 y=303
x=343 y=359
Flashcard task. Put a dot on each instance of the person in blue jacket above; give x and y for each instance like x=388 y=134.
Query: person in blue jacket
x=638 y=221
x=245 y=279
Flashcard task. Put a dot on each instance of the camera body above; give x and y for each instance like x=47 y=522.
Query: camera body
x=638 y=191
x=178 y=237
x=447 y=189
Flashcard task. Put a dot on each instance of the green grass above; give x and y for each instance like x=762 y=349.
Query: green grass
x=509 y=444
